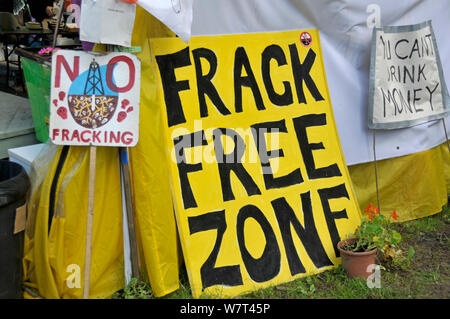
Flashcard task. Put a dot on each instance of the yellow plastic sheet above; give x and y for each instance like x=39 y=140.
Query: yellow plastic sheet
x=153 y=200
x=414 y=185
x=54 y=261
x=446 y=159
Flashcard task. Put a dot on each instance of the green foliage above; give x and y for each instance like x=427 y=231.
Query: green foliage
x=377 y=231
x=431 y=275
x=403 y=261
x=135 y=290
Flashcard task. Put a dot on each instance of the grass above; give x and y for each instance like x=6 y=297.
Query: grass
x=135 y=290
x=427 y=275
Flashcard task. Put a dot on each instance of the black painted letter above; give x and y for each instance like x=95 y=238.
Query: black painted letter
x=300 y=125
x=258 y=130
x=232 y=162
x=167 y=65
x=308 y=234
x=301 y=73
x=180 y=143
x=204 y=84
x=225 y=275
x=275 y=52
x=268 y=265
x=241 y=61
x=325 y=195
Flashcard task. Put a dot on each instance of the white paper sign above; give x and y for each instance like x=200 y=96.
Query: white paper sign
x=107 y=21
x=94 y=99
x=407 y=86
x=175 y=14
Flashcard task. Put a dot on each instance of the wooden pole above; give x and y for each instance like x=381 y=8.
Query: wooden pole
x=90 y=221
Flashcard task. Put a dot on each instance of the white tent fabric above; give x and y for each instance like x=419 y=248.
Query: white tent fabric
x=175 y=14
x=345 y=28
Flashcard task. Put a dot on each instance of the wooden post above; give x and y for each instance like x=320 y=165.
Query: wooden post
x=90 y=220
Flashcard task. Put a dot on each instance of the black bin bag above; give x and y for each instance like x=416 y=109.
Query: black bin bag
x=14 y=186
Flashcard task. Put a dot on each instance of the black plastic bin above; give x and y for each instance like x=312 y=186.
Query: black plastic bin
x=14 y=185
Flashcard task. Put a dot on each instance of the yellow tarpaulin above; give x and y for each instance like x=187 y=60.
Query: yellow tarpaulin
x=414 y=185
x=446 y=164
x=153 y=201
x=54 y=261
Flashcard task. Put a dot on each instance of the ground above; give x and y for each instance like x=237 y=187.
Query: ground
x=429 y=273
x=426 y=276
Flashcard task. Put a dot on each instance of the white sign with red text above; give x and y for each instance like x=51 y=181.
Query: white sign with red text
x=95 y=99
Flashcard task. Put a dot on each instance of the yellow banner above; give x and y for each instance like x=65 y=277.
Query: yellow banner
x=261 y=191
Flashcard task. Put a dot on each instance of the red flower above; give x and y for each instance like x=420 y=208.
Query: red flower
x=369 y=208
x=394 y=214
x=372 y=211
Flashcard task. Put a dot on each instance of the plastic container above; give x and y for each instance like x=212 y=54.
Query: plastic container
x=37 y=79
x=14 y=185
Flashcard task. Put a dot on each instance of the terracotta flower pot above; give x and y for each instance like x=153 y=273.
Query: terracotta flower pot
x=356 y=263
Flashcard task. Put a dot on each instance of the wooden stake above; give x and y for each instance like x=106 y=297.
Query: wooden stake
x=90 y=221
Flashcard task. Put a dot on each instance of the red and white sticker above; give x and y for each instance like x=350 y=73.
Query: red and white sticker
x=305 y=39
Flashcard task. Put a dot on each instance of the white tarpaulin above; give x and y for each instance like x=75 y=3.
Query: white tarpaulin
x=175 y=14
x=345 y=28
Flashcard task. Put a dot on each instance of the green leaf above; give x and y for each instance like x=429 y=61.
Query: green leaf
x=411 y=252
x=396 y=237
x=312 y=288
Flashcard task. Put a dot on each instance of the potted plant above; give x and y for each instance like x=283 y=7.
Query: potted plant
x=375 y=234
